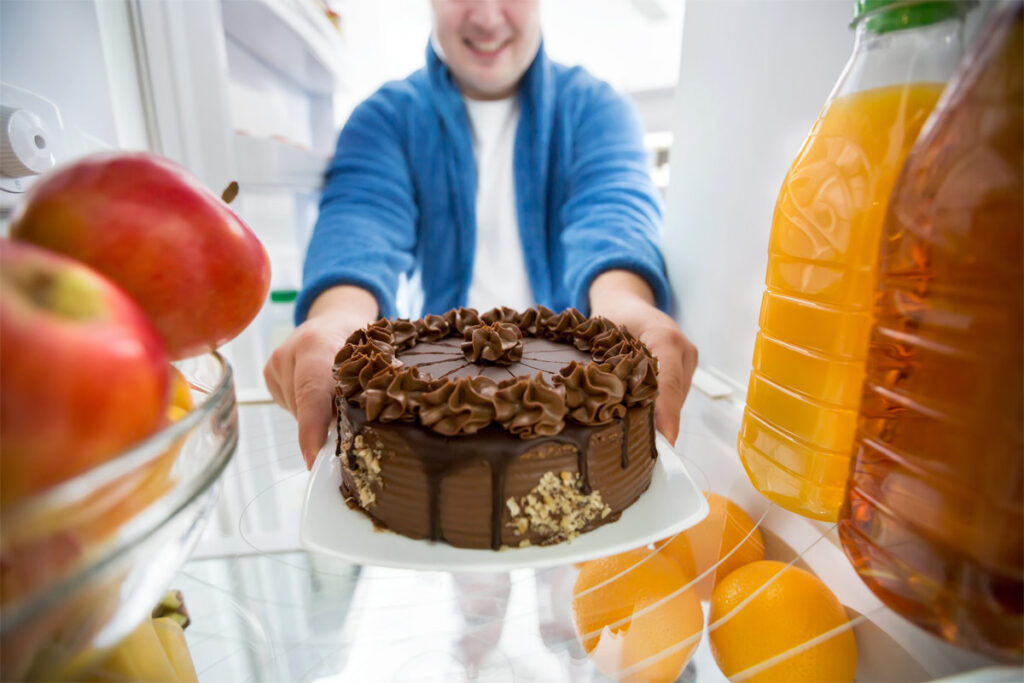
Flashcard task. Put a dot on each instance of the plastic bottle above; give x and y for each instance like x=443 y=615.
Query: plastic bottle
x=934 y=517
x=808 y=364
x=280 y=317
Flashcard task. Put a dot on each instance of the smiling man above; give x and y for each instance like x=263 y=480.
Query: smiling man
x=504 y=179
x=488 y=45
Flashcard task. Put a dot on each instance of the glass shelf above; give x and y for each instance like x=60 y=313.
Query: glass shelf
x=264 y=609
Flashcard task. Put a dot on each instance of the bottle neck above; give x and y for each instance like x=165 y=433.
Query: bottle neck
x=924 y=54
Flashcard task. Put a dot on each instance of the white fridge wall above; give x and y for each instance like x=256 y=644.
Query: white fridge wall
x=34 y=40
x=72 y=64
x=753 y=76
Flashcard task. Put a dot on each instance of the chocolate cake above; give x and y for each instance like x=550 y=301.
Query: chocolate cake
x=501 y=429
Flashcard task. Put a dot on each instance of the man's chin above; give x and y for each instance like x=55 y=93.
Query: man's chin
x=490 y=88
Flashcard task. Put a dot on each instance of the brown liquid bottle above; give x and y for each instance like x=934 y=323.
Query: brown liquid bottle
x=933 y=518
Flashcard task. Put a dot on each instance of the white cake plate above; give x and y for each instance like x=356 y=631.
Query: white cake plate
x=672 y=503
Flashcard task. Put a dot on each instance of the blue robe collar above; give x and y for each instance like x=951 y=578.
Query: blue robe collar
x=531 y=161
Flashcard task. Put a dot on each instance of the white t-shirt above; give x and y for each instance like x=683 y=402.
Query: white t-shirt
x=499 y=268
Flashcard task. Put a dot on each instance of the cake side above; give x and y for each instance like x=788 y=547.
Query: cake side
x=488 y=491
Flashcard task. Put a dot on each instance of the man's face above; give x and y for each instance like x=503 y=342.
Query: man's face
x=488 y=44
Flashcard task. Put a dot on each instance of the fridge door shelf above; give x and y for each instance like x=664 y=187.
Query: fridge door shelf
x=271 y=162
x=707 y=443
x=290 y=37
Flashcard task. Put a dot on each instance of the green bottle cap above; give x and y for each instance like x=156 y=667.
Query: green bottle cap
x=883 y=16
x=283 y=296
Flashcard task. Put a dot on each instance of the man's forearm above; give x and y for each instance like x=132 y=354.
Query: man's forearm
x=615 y=291
x=354 y=300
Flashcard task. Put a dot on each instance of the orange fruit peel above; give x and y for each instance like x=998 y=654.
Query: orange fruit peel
x=637 y=615
x=723 y=541
x=770 y=621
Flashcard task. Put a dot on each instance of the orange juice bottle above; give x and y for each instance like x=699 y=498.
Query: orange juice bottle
x=808 y=365
x=934 y=515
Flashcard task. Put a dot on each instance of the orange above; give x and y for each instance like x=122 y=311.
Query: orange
x=794 y=607
x=712 y=541
x=181 y=396
x=54 y=541
x=119 y=501
x=630 y=608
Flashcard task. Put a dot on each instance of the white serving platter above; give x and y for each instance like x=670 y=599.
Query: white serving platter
x=672 y=503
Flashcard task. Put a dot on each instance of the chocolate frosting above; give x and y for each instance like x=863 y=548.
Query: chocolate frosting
x=562 y=327
x=599 y=331
x=593 y=393
x=640 y=375
x=381 y=331
x=499 y=343
x=461 y=406
x=528 y=321
x=432 y=328
x=530 y=407
x=403 y=334
x=393 y=394
x=459 y=319
x=503 y=314
x=363 y=362
x=372 y=371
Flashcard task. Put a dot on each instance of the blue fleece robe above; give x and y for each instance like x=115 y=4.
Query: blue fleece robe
x=401 y=191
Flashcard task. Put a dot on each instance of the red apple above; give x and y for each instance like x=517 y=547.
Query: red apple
x=83 y=372
x=151 y=227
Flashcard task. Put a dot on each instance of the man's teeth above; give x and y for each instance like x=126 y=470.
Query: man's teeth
x=489 y=46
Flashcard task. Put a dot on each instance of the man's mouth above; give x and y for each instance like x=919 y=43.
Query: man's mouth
x=486 y=49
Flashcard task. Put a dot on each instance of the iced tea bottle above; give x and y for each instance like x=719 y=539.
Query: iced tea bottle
x=934 y=517
x=808 y=365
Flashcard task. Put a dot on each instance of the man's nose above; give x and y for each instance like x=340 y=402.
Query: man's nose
x=487 y=14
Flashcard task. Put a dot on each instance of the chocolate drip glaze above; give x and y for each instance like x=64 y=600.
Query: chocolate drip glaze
x=497 y=498
x=581 y=467
x=337 y=446
x=434 y=505
x=487 y=445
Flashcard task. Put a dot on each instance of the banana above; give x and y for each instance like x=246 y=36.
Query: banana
x=139 y=657
x=172 y=637
x=156 y=650
x=172 y=605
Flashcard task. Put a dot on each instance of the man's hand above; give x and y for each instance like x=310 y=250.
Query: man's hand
x=298 y=373
x=626 y=298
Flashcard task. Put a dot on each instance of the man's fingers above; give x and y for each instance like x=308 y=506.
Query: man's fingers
x=689 y=365
x=273 y=386
x=314 y=418
x=671 y=392
x=677 y=359
x=313 y=406
x=677 y=356
x=278 y=373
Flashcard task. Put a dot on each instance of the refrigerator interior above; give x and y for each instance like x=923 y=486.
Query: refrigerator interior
x=746 y=96
x=255 y=91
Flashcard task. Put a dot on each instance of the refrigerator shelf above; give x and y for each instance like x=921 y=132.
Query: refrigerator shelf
x=268 y=161
x=264 y=609
x=290 y=37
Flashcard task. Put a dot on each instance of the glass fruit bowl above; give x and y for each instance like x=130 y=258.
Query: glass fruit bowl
x=83 y=562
